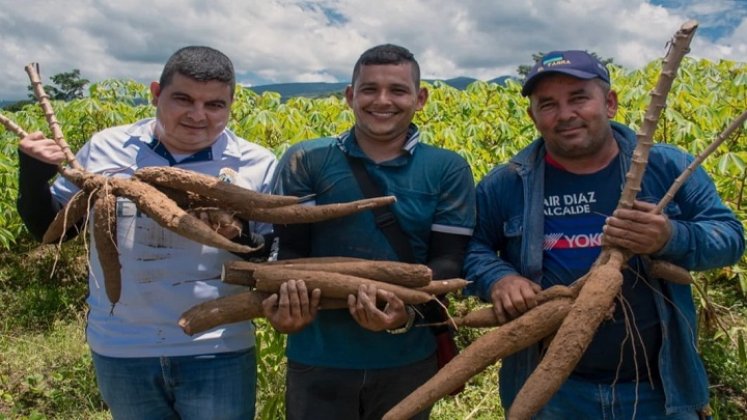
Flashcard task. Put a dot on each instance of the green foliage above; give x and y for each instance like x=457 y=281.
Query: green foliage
x=45 y=364
x=270 y=371
x=66 y=86
x=49 y=375
x=486 y=124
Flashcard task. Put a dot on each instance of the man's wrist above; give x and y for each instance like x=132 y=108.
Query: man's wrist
x=408 y=325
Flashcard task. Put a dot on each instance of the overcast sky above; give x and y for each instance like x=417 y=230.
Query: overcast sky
x=272 y=41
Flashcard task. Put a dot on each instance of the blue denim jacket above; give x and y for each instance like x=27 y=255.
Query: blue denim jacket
x=508 y=239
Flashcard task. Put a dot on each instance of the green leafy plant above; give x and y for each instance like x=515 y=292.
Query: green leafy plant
x=485 y=123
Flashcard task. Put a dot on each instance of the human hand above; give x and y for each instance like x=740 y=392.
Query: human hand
x=638 y=230
x=364 y=310
x=512 y=296
x=290 y=310
x=41 y=148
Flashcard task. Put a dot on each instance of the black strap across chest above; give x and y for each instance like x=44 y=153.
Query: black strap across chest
x=386 y=220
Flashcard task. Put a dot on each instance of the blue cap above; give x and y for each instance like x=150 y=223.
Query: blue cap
x=579 y=64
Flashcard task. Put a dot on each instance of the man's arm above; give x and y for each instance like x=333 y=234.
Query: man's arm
x=35 y=203
x=699 y=232
x=493 y=278
x=706 y=234
x=482 y=264
x=497 y=281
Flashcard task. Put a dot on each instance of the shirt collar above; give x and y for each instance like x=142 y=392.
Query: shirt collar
x=348 y=144
x=143 y=130
x=204 y=155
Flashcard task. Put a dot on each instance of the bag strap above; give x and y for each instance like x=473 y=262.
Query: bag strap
x=386 y=220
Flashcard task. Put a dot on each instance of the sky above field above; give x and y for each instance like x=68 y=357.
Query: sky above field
x=278 y=41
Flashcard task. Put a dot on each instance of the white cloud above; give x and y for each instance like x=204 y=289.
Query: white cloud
x=294 y=40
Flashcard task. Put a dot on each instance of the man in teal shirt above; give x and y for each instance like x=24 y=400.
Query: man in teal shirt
x=358 y=363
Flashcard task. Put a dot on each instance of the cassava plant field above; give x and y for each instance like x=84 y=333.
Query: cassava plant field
x=45 y=367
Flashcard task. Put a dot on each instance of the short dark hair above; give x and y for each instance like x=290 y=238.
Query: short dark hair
x=387 y=54
x=200 y=63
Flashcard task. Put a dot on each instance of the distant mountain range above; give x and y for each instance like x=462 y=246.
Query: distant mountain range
x=319 y=89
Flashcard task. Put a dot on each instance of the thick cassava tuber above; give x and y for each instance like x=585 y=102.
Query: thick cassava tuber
x=333 y=285
x=485 y=317
x=105 y=237
x=73 y=212
x=337 y=277
x=224 y=310
x=393 y=272
x=230 y=195
x=243 y=306
x=498 y=343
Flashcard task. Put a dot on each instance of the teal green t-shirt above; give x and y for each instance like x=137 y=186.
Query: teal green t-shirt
x=435 y=192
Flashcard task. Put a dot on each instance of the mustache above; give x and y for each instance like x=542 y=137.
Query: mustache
x=569 y=125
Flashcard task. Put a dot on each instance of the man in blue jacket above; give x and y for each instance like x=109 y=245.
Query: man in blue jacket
x=564 y=188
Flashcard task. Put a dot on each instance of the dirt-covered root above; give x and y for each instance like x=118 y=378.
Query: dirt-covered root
x=230 y=195
x=73 y=212
x=670 y=272
x=393 y=272
x=573 y=337
x=105 y=237
x=224 y=310
x=170 y=216
x=243 y=306
x=485 y=317
x=299 y=213
x=187 y=199
x=332 y=285
x=315 y=260
x=82 y=179
x=442 y=287
x=496 y=344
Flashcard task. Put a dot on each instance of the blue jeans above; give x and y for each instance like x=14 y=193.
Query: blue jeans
x=580 y=400
x=213 y=386
x=348 y=394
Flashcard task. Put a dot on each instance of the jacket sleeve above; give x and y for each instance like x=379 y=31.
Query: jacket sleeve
x=35 y=203
x=705 y=232
x=483 y=263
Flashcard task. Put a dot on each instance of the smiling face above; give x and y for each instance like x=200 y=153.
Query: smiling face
x=384 y=99
x=190 y=114
x=572 y=115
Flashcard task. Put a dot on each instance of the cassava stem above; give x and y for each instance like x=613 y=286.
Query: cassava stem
x=12 y=126
x=32 y=70
x=669 y=196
